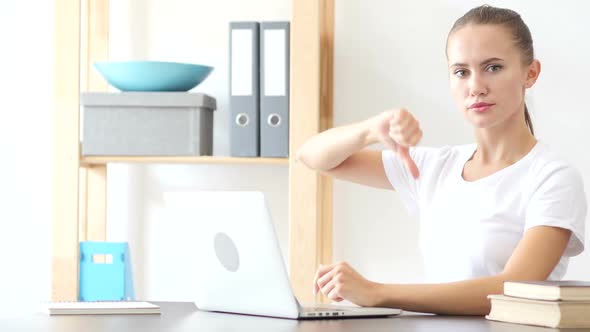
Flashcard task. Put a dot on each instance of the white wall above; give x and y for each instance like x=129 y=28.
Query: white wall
x=387 y=54
x=26 y=74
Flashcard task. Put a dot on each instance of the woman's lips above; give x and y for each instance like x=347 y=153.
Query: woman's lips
x=481 y=107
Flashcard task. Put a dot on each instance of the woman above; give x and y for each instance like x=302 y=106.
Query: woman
x=504 y=208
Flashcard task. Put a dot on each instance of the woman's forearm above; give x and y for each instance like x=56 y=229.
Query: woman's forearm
x=467 y=297
x=331 y=147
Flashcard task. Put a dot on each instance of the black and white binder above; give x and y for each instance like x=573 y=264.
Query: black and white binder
x=244 y=89
x=274 y=89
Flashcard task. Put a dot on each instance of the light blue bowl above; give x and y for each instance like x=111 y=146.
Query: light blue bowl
x=152 y=75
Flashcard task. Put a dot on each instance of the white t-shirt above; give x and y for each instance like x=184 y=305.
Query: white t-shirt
x=469 y=229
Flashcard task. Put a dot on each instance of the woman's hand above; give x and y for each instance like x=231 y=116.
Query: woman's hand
x=398 y=130
x=340 y=281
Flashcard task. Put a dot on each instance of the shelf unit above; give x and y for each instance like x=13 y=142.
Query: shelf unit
x=79 y=183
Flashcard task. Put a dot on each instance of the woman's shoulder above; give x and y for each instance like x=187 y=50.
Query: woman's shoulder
x=548 y=163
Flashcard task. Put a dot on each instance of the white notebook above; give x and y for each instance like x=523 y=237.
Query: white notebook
x=101 y=308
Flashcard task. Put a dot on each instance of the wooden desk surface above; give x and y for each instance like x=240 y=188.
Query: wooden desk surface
x=183 y=316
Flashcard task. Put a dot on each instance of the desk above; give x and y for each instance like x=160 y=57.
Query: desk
x=183 y=316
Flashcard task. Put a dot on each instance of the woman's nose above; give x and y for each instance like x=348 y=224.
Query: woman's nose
x=477 y=86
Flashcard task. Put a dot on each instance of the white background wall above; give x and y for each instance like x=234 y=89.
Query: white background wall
x=26 y=78
x=387 y=54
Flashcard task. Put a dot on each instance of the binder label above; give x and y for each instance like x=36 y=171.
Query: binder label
x=275 y=62
x=241 y=62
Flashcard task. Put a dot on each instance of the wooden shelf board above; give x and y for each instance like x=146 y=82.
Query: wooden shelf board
x=102 y=160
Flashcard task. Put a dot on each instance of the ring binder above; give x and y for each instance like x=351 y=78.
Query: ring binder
x=274 y=89
x=244 y=95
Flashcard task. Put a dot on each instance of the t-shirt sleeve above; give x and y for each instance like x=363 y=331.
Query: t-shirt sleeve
x=402 y=180
x=560 y=201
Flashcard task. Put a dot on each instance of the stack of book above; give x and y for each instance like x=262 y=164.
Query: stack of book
x=556 y=304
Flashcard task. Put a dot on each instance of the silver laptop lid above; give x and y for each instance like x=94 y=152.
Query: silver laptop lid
x=238 y=255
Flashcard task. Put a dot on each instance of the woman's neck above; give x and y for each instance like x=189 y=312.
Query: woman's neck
x=506 y=143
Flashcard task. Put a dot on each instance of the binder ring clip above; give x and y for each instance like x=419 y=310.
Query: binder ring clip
x=274 y=120
x=242 y=119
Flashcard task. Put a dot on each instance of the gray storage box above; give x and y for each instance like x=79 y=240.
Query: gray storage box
x=147 y=124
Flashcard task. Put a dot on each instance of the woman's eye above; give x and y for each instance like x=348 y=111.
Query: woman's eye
x=493 y=68
x=460 y=73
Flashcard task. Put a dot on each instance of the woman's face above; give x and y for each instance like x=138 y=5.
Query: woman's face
x=487 y=75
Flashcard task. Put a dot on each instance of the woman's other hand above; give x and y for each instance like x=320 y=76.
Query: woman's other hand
x=340 y=281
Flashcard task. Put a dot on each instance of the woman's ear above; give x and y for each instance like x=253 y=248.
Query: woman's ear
x=533 y=71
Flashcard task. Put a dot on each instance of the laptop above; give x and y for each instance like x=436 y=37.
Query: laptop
x=241 y=268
